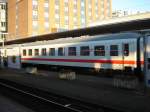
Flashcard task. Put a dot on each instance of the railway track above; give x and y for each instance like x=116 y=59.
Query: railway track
x=41 y=101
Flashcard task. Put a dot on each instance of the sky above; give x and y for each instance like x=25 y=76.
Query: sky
x=131 y=5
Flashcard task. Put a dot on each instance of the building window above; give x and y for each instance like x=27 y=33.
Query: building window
x=82 y=3
x=84 y=51
x=35 y=12
x=43 y=52
x=75 y=27
x=2 y=36
x=35 y=17
x=66 y=4
x=57 y=18
x=46 y=4
x=36 y=52
x=102 y=7
x=96 y=8
x=66 y=20
x=1 y=6
x=75 y=20
x=99 y=50
x=82 y=13
x=34 y=33
x=57 y=11
x=72 y=51
x=75 y=2
x=46 y=14
x=114 y=50
x=34 y=2
x=30 y=52
x=24 y=52
x=66 y=9
x=56 y=2
x=57 y=25
x=3 y=15
x=90 y=7
x=82 y=20
x=66 y=1
x=46 y=24
x=35 y=24
x=3 y=24
x=61 y=51
x=51 y=51
x=35 y=7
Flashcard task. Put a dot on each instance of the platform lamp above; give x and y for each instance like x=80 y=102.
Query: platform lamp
x=2 y=40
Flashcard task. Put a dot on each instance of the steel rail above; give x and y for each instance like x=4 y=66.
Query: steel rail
x=66 y=106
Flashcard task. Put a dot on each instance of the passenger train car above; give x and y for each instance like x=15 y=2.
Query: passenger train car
x=121 y=51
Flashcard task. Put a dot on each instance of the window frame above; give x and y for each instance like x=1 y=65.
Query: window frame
x=61 y=53
x=73 y=52
x=85 y=53
x=36 y=53
x=43 y=51
x=24 y=52
x=99 y=52
x=51 y=52
x=114 y=52
x=30 y=52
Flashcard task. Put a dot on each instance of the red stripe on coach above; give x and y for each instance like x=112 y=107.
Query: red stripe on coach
x=83 y=60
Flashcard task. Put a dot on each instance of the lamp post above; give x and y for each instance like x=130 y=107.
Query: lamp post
x=3 y=48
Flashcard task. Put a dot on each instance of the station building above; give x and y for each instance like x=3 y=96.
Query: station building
x=35 y=17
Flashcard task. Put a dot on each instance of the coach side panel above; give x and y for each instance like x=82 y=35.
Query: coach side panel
x=105 y=60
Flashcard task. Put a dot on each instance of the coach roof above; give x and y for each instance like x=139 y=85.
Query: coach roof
x=86 y=39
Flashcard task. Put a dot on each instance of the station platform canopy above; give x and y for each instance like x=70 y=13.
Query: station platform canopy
x=131 y=23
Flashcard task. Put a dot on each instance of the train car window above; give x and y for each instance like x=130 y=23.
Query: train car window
x=43 y=52
x=84 y=51
x=126 y=49
x=14 y=59
x=36 y=52
x=148 y=60
x=114 y=50
x=30 y=52
x=24 y=52
x=99 y=50
x=51 y=51
x=149 y=66
x=61 y=51
x=72 y=51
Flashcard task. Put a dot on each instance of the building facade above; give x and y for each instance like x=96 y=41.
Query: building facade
x=33 y=17
x=3 y=19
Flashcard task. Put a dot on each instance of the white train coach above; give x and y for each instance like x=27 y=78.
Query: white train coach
x=121 y=51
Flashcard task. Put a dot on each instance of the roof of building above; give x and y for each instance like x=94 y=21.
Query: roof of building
x=128 y=18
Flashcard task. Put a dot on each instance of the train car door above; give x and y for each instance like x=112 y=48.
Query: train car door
x=127 y=48
x=13 y=55
x=147 y=61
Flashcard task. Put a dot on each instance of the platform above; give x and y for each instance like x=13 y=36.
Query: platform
x=88 y=88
